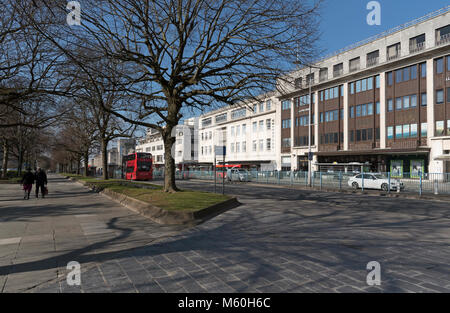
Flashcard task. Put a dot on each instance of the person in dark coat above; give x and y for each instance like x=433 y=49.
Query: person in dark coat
x=41 y=181
x=27 y=183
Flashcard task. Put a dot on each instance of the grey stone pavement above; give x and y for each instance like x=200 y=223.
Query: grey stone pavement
x=278 y=240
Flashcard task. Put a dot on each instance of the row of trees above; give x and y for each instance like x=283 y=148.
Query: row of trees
x=146 y=63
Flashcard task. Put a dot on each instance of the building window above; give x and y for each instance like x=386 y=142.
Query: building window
x=352 y=88
x=414 y=72
x=261 y=125
x=439 y=96
x=398 y=76
x=232 y=130
x=439 y=128
x=221 y=118
x=321 y=117
x=244 y=129
x=268 y=144
x=413 y=133
x=440 y=65
x=254 y=146
x=238 y=130
x=358 y=86
x=448 y=94
x=378 y=108
x=406 y=102
x=398 y=131
x=370 y=109
x=398 y=104
x=413 y=101
x=268 y=124
x=286 y=143
x=352 y=112
x=232 y=147
x=286 y=123
x=363 y=110
x=390 y=132
x=244 y=146
x=261 y=107
x=406 y=72
x=423 y=70
x=255 y=108
x=286 y=105
x=255 y=127
x=352 y=136
x=358 y=111
x=238 y=113
x=390 y=106
x=448 y=63
x=268 y=105
x=358 y=135
x=448 y=127
x=377 y=81
x=238 y=147
x=424 y=129
x=338 y=70
x=406 y=131
x=390 y=79
x=424 y=99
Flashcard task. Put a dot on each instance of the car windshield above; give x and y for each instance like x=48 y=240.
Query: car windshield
x=379 y=176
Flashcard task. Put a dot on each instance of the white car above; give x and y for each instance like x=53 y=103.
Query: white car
x=238 y=174
x=374 y=181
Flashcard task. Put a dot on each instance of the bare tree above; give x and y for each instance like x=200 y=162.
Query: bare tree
x=193 y=53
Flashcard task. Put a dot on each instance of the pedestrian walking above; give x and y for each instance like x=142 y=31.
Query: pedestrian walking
x=27 y=183
x=41 y=182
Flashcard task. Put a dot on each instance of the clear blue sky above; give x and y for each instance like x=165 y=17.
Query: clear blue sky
x=343 y=22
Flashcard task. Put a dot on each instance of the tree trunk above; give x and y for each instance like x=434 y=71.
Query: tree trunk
x=20 y=163
x=169 y=163
x=105 y=158
x=5 y=158
x=86 y=163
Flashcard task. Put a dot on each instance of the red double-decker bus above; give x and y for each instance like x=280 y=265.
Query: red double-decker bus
x=138 y=166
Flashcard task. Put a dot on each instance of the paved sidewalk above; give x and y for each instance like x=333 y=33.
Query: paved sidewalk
x=38 y=237
x=279 y=240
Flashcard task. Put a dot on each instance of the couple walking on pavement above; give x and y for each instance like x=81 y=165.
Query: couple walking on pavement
x=28 y=180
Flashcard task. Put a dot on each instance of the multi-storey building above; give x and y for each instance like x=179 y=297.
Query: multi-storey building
x=184 y=150
x=248 y=131
x=385 y=101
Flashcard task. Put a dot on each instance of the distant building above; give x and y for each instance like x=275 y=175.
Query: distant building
x=184 y=149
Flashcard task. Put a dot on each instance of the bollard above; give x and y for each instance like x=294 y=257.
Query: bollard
x=278 y=178
x=340 y=180
x=389 y=182
x=420 y=183
x=436 y=187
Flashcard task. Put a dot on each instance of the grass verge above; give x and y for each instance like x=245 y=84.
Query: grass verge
x=183 y=201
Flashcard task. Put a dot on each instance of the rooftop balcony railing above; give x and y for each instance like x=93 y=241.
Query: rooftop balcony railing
x=417 y=47
x=443 y=40
x=338 y=73
x=394 y=56
x=372 y=61
x=354 y=68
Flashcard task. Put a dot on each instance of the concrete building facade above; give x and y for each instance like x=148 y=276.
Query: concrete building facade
x=249 y=131
x=385 y=101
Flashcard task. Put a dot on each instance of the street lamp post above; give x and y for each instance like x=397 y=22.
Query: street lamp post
x=310 y=81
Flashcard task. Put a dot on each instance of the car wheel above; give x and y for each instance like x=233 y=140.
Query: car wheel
x=355 y=185
x=384 y=187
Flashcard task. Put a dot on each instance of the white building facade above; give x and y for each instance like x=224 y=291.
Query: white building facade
x=248 y=131
x=183 y=151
